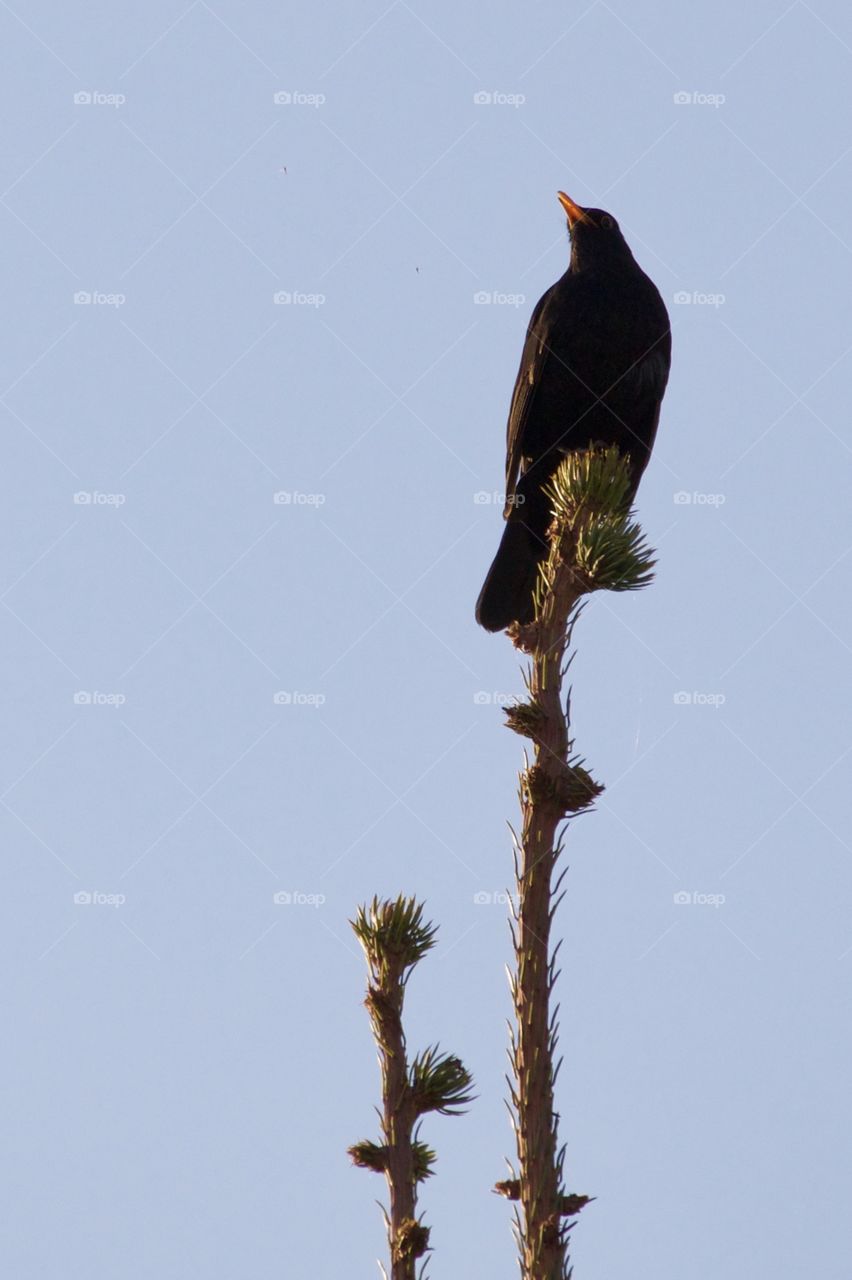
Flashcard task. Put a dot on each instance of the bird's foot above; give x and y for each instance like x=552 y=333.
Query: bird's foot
x=524 y=635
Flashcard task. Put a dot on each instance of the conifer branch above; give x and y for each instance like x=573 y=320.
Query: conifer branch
x=395 y=938
x=594 y=545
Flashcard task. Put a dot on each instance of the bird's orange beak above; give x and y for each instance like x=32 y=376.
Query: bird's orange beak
x=573 y=210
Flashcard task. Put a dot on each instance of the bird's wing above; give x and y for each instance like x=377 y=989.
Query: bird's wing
x=533 y=360
x=650 y=374
x=645 y=383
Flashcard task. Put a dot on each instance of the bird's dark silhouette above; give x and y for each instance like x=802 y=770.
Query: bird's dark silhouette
x=593 y=372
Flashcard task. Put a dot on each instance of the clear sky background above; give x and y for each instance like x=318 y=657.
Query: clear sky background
x=186 y=1059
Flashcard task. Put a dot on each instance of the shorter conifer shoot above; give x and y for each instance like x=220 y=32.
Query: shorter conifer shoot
x=395 y=937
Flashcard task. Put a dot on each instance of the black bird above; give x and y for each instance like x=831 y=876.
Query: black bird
x=593 y=372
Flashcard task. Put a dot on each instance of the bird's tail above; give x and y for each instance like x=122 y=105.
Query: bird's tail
x=507 y=593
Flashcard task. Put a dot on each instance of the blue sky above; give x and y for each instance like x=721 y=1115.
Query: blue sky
x=254 y=418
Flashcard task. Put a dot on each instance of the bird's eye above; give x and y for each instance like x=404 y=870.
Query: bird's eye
x=607 y=222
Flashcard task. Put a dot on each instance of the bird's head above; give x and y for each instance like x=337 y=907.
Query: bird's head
x=596 y=237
